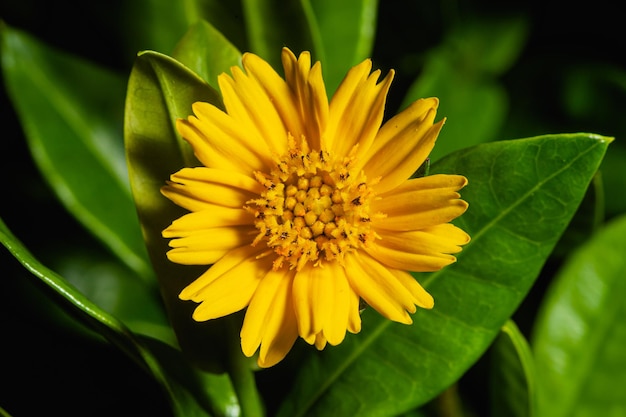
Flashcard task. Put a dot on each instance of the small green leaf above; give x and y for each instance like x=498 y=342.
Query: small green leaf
x=161 y=90
x=155 y=24
x=274 y=24
x=513 y=377
x=489 y=45
x=580 y=332
x=206 y=52
x=71 y=112
x=347 y=29
x=226 y=17
x=522 y=195
x=179 y=381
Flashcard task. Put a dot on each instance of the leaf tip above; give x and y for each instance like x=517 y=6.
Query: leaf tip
x=601 y=138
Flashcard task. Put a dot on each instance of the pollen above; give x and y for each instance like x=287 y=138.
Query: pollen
x=314 y=208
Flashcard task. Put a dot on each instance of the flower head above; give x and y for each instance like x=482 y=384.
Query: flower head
x=304 y=207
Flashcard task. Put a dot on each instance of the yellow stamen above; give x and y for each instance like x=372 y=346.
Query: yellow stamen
x=314 y=208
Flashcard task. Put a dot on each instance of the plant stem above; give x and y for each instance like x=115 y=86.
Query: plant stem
x=244 y=383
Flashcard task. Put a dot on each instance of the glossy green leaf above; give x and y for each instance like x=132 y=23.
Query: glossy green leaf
x=111 y=286
x=462 y=74
x=580 y=332
x=206 y=52
x=488 y=45
x=180 y=382
x=71 y=112
x=522 y=194
x=513 y=375
x=161 y=90
x=347 y=30
x=274 y=24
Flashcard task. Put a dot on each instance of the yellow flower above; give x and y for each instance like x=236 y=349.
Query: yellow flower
x=305 y=207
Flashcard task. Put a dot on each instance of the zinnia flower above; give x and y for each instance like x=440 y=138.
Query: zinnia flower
x=304 y=207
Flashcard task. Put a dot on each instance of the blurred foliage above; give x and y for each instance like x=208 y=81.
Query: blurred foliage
x=518 y=69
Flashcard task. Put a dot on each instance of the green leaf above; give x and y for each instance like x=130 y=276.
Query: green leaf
x=522 y=194
x=274 y=24
x=179 y=381
x=71 y=112
x=513 y=376
x=580 y=332
x=4 y=413
x=161 y=90
x=206 y=52
x=347 y=30
x=110 y=286
x=193 y=392
x=488 y=45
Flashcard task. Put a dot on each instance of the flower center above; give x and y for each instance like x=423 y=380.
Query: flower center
x=314 y=208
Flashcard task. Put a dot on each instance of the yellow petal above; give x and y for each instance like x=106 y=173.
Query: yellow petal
x=354 y=313
x=320 y=341
x=253 y=328
x=421 y=202
x=231 y=291
x=335 y=328
x=197 y=189
x=356 y=109
x=442 y=238
x=312 y=296
x=270 y=320
x=253 y=109
x=309 y=95
x=379 y=288
x=220 y=141
x=421 y=297
x=417 y=262
x=318 y=108
x=232 y=260
x=280 y=340
x=216 y=216
x=205 y=247
x=279 y=93
x=402 y=145
x=420 y=251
